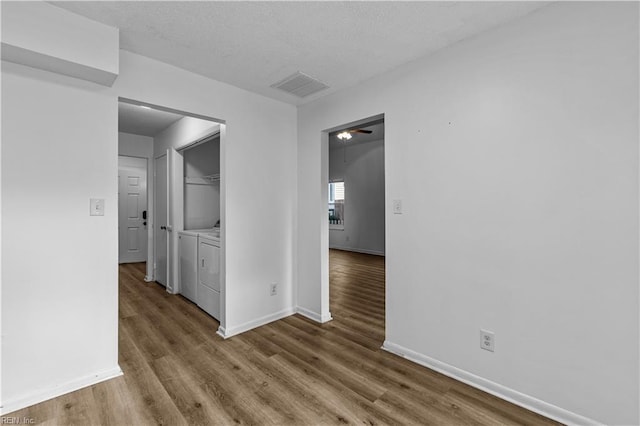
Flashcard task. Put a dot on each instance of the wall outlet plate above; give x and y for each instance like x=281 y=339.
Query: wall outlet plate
x=274 y=289
x=487 y=340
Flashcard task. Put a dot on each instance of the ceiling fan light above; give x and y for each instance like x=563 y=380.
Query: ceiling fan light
x=344 y=136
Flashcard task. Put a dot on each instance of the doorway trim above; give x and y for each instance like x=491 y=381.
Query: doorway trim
x=223 y=183
x=325 y=308
x=151 y=174
x=171 y=110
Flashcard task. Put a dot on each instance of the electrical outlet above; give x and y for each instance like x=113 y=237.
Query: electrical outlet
x=274 y=289
x=346 y=238
x=487 y=340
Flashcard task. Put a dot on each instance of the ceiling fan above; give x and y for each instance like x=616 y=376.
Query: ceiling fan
x=346 y=134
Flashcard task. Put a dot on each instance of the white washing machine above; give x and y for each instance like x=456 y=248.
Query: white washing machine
x=188 y=252
x=208 y=289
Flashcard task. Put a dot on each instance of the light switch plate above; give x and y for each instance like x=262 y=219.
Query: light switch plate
x=397 y=206
x=96 y=207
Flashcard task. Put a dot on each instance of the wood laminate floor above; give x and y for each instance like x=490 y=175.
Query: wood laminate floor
x=177 y=371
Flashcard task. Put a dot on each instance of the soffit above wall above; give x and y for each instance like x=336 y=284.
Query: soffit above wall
x=39 y=35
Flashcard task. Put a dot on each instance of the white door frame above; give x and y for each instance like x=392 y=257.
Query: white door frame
x=153 y=259
x=175 y=216
x=151 y=202
x=325 y=311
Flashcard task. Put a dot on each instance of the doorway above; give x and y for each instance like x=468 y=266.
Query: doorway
x=356 y=224
x=161 y=136
x=132 y=209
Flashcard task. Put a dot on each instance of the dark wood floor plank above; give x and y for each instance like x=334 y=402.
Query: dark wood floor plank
x=148 y=397
x=321 y=358
x=293 y=387
x=112 y=403
x=351 y=406
x=178 y=371
x=367 y=364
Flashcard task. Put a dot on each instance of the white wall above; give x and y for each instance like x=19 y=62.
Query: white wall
x=361 y=165
x=258 y=160
x=515 y=154
x=59 y=278
x=59 y=149
x=135 y=145
x=59 y=265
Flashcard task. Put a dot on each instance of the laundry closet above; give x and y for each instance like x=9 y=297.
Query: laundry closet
x=199 y=242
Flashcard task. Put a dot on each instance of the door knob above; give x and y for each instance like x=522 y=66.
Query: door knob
x=164 y=228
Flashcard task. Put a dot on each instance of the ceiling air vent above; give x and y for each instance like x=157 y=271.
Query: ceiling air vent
x=300 y=85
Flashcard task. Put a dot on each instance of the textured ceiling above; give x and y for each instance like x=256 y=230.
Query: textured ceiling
x=143 y=121
x=255 y=44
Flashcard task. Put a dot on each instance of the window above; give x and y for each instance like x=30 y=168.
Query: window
x=336 y=205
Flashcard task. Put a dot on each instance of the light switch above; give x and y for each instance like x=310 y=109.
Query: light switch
x=397 y=206
x=96 y=207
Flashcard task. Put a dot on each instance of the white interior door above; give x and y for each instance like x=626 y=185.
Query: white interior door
x=160 y=223
x=175 y=221
x=132 y=206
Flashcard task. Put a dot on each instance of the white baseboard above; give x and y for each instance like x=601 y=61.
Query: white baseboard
x=502 y=392
x=314 y=316
x=38 y=396
x=357 y=250
x=229 y=332
x=148 y=279
x=221 y=332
